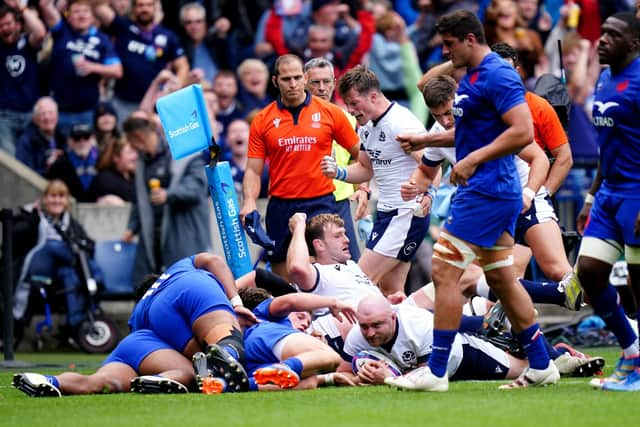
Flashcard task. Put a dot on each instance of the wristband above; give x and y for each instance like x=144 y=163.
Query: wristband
x=328 y=379
x=366 y=190
x=341 y=174
x=431 y=192
x=236 y=301
x=529 y=193
x=589 y=198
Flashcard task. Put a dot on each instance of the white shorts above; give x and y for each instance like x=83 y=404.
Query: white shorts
x=398 y=234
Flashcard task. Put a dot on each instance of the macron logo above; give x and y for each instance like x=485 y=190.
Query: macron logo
x=192 y=125
x=276 y=122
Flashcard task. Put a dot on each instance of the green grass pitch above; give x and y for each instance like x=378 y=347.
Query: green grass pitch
x=571 y=403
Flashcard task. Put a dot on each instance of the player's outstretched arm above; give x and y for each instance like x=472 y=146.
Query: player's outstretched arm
x=299 y=266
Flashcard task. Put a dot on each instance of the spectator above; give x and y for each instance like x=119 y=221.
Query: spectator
x=145 y=49
x=225 y=86
x=394 y=60
x=320 y=43
x=353 y=31
x=170 y=214
x=51 y=257
x=536 y=17
x=504 y=24
x=254 y=78
x=423 y=33
x=81 y=56
x=105 y=123
x=238 y=143
x=213 y=107
x=113 y=185
x=200 y=45
x=77 y=165
x=121 y=7
x=240 y=19
x=41 y=143
x=21 y=35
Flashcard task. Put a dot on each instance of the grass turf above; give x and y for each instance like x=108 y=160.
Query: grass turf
x=572 y=403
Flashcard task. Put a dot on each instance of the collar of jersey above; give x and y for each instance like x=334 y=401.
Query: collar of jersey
x=306 y=102
x=376 y=121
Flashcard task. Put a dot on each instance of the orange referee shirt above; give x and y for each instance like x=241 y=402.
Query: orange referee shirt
x=294 y=144
x=547 y=129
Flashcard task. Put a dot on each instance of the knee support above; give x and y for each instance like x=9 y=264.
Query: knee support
x=234 y=340
x=453 y=251
x=607 y=251
x=497 y=257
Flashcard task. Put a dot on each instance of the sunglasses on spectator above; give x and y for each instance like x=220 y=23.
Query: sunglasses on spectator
x=81 y=136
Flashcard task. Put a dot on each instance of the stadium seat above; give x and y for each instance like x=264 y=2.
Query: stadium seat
x=115 y=258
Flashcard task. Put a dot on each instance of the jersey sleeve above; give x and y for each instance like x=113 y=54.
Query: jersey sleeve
x=257 y=148
x=505 y=89
x=109 y=56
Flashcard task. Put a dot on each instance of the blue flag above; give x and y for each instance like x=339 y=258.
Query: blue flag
x=185 y=121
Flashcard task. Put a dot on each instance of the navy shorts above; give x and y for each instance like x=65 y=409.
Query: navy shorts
x=277 y=219
x=135 y=347
x=481 y=361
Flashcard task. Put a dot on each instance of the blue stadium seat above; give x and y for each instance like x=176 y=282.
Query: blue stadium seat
x=115 y=258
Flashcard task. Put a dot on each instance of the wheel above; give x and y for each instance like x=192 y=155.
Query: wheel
x=101 y=336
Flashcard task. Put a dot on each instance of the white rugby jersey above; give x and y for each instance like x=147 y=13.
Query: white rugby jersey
x=438 y=154
x=345 y=282
x=391 y=165
x=523 y=171
x=413 y=341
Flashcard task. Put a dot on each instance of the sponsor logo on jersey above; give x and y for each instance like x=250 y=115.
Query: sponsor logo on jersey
x=602 y=108
x=297 y=143
x=15 y=65
x=408 y=356
x=374 y=155
x=458 y=111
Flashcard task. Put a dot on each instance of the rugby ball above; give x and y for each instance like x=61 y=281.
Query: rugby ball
x=365 y=356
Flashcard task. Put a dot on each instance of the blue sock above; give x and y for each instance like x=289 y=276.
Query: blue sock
x=53 y=380
x=532 y=342
x=470 y=324
x=551 y=350
x=543 y=292
x=442 y=341
x=607 y=307
x=295 y=364
x=253 y=386
x=232 y=351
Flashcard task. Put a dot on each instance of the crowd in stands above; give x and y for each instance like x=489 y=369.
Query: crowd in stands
x=76 y=70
